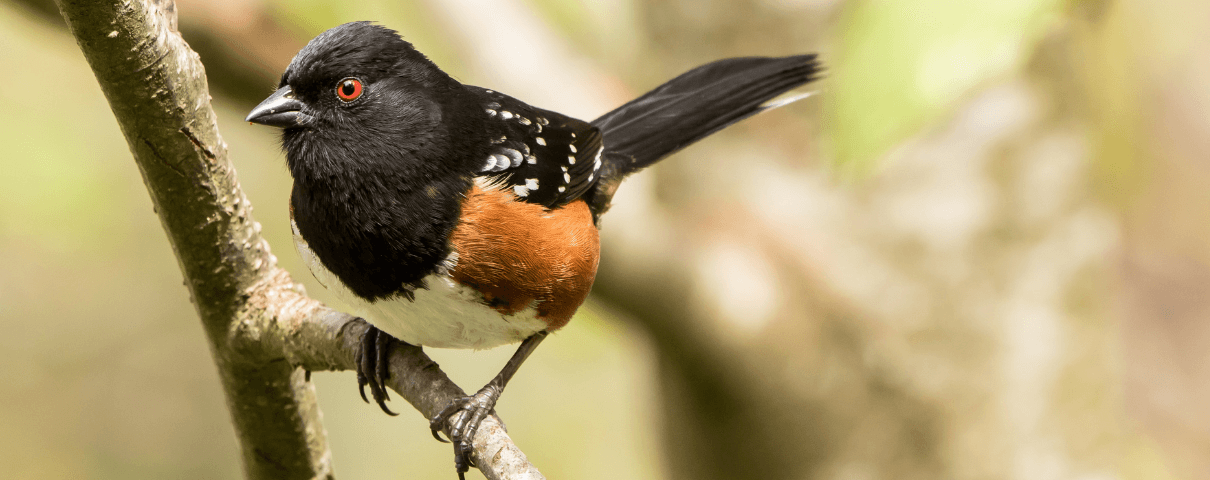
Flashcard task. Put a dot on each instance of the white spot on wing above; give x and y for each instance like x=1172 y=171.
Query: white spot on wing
x=571 y=159
x=541 y=141
x=531 y=183
x=523 y=120
x=520 y=190
x=502 y=162
x=562 y=189
x=530 y=159
x=513 y=155
x=566 y=177
x=491 y=112
x=506 y=115
x=572 y=147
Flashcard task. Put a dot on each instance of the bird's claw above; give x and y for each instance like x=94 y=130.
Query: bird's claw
x=463 y=416
x=373 y=367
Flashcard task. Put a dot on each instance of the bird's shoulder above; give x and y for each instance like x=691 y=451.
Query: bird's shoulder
x=541 y=156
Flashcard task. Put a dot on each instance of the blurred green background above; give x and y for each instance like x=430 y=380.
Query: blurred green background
x=980 y=251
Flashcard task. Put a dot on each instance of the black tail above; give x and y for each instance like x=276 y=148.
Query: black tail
x=697 y=103
x=690 y=107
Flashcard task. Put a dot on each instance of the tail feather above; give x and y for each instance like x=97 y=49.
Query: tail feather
x=688 y=108
x=696 y=104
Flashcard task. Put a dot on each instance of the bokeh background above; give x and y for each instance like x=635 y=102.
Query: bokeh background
x=979 y=252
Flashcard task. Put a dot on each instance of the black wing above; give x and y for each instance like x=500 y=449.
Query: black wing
x=544 y=157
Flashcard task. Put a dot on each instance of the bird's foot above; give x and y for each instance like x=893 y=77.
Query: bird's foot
x=463 y=415
x=373 y=367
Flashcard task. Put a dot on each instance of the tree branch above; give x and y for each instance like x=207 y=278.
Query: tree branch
x=260 y=325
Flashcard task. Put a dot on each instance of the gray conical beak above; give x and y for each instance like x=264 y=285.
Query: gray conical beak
x=280 y=110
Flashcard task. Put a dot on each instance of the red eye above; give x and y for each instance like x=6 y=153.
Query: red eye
x=348 y=89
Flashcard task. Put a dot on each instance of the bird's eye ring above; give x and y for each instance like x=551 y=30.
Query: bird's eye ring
x=348 y=89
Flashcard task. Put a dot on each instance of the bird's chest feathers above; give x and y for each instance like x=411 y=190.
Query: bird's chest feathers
x=379 y=234
x=514 y=269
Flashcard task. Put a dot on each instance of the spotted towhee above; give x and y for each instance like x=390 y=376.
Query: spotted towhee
x=454 y=216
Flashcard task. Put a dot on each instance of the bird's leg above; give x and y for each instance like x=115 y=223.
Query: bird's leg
x=373 y=369
x=465 y=414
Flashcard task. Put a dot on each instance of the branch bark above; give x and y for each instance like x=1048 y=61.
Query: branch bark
x=261 y=327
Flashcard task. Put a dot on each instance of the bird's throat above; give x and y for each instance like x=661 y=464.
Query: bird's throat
x=380 y=234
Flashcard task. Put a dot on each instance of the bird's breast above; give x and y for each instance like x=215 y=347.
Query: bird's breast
x=517 y=269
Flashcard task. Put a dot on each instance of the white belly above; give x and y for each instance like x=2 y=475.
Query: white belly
x=447 y=315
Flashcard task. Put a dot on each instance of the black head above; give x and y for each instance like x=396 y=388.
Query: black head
x=357 y=94
x=382 y=146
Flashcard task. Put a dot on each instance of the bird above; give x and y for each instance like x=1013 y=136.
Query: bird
x=454 y=216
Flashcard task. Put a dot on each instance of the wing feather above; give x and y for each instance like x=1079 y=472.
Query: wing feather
x=542 y=156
